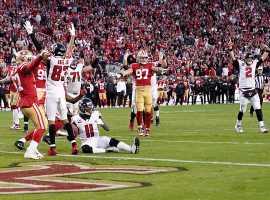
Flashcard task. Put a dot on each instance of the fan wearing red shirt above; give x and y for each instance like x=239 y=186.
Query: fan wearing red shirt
x=142 y=73
x=24 y=80
x=14 y=97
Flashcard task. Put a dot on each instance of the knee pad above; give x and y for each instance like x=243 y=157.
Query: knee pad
x=156 y=108
x=114 y=142
x=87 y=149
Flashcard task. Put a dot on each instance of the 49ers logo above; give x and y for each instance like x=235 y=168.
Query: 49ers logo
x=43 y=178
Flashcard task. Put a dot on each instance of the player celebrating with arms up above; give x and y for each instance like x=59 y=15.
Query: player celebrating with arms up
x=142 y=73
x=247 y=69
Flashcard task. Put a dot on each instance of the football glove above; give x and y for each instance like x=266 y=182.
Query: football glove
x=72 y=30
x=28 y=27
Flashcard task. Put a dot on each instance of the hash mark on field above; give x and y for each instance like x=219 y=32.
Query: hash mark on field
x=160 y=159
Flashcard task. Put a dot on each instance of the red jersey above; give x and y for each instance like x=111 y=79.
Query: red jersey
x=102 y=87
x=24 y=79
x=142 y=73
x=40 y=76
x=161 y=85
x=10 y=71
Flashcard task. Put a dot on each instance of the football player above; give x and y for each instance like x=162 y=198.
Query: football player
x=142 y=73
x=24 y=80
x=57 y=67
x=247 y=69
x=86 y=123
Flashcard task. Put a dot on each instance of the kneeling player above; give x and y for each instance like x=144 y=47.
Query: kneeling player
x=86 y=125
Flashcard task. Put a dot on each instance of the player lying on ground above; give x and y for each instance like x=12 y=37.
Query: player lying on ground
x=85 y=125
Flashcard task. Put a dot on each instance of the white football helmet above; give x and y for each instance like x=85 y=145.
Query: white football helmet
x=24 y=56
x=142 y=57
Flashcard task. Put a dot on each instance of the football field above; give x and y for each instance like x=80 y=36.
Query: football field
x=193 y=154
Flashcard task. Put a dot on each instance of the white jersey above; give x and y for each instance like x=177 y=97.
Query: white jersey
x=247 y=75
x=88 y=128
x=74 y=79
x=57 y=75
x=154 y=82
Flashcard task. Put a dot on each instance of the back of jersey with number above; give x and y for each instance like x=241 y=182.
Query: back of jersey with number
x=57 y=73
x=87 y=128
x=247 y=75
x=74 y=79
x=142 y=73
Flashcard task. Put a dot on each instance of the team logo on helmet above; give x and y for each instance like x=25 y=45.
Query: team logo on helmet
x=24 y=55
x=58 y=49
x=86 y=106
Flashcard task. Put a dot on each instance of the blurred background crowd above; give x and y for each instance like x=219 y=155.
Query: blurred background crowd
x=192 y=33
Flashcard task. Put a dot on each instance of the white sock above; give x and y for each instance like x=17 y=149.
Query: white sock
x=157 y=113
x=98 y=150
x=16 y=116
x=123 y=146
x=239 y=122
x=33 y=144
x=23 y=140
x=261 y=123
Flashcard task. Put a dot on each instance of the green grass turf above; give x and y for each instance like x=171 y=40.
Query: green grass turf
x=212 y=161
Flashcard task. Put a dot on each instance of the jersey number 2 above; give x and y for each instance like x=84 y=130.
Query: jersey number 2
x=89 y=130
x=248 y=72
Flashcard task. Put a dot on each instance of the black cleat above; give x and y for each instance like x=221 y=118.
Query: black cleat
x=19 y=145
x=46 y=139
x=157 y=121
x=135 y=146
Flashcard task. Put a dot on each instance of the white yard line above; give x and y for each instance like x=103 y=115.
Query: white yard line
x=159 y=159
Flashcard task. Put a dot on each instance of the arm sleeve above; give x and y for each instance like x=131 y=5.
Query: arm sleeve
x=31 y=66
x=236 y=64
x=36 y=42
x=259 y=63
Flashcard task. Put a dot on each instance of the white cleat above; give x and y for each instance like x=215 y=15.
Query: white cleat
x=238 y=129
x=33 y=154
x=263 y=130
x=135 y=146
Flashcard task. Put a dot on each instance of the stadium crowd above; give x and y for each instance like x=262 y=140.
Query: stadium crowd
x=192 y=34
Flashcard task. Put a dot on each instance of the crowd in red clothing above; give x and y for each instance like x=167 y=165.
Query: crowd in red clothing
x=193 y=33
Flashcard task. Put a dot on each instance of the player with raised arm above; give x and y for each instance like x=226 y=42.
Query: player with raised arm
x=55 y=95
x=142 y=73
x=24 y=80
x=86 y=123
x=247 y=69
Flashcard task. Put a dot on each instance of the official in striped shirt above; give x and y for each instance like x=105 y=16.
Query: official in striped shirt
x=260 y=80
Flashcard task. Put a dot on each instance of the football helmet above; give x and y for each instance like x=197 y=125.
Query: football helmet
x=86 y=106
x=24 y=56
x=142 y=57
x=58 y=49
x=249 y=57
x=74 y=63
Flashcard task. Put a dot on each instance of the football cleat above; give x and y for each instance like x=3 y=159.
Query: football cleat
x=19 y=145
x=131 y=126
x=46 y=139
x=111 y=149
x=52 y=151
x=15 y=127
x=147 y=132
x=157 y=121
x=263 y=129
x=135 y=146
x=140 y=131
x=238 y=129
x=74 y=149
x=32 y=153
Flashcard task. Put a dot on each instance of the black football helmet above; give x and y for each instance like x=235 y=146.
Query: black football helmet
x=58 y=49
x=86 y=106
x=249 y=55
